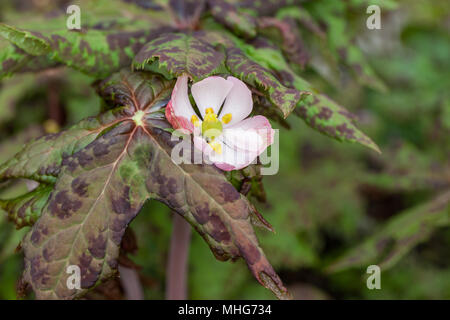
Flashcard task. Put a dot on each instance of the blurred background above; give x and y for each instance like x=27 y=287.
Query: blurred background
x=336 y=207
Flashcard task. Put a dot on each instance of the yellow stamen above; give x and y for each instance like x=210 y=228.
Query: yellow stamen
x=211 y=117
x=211 y=129
x=195 y=121
x=216 y=146
x=226 y=118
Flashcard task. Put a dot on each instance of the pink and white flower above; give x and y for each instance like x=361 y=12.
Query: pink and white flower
x=221 y=130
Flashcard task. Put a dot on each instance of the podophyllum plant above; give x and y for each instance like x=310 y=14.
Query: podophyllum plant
x=94 y=177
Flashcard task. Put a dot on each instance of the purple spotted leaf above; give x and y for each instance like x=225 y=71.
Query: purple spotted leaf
x=333 y=120
x=94 y=52
x=177 y=53
x=317 y=110
x=242 y=67
x=216 y=210
x=100 y=190
x=102 y=187
x=200 y=193
x=41 y=158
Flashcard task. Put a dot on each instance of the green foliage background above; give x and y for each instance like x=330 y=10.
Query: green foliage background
x=336 y=207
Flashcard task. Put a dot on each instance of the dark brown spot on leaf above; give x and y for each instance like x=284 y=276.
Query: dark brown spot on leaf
x=63 y=206
x=79 y=187
x=229 y=193
x=97 y=246
x=202 y=213
x=122 y=204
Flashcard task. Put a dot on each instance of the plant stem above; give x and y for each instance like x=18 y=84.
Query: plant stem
x=177 y=266
x=129 y=278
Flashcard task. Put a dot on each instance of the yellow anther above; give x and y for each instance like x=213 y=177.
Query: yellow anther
x=216 y=146
x=209 y=111
x=195 y=121
x=226 y=118
x=212 y=117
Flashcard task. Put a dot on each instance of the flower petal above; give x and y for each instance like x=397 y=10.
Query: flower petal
x=179 y=110
x=210 y=93
x=177 y=122
x=242 y=143
x=257 y=125
x=238 y=102
x=242 y=139
x=231 y=158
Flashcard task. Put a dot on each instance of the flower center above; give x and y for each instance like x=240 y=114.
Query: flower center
x=211 y=127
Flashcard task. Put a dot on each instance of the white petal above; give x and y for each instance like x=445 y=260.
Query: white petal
x=210 y=93
x=252 y=135
x=180 y=99
x=242 y=139
x=231 y=158
x=238 y=102
x=201 y=144
x=242 y=143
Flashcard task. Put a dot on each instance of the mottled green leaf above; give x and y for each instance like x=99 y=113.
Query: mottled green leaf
x=178 y=53
x=25 y=40
x=12 y=59
x=15 y=60
x=26 y=209
x=317 y=110
x=398 y=236
x=240 y=66
x=326 y=116
x=95 y=52
x=41 y=158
